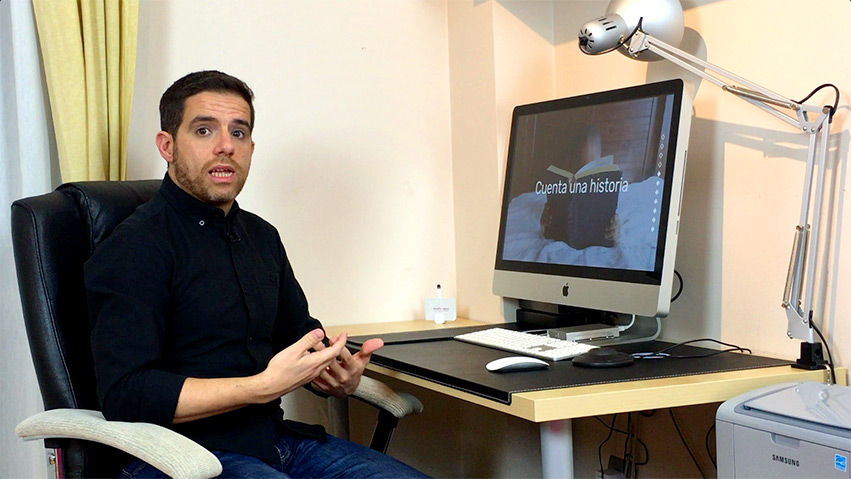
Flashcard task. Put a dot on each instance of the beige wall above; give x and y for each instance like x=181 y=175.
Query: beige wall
x=496 y=62
x=381 y=139
x=353 y=158
x=745 y=171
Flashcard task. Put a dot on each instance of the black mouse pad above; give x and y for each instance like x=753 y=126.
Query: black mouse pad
x=462 y=366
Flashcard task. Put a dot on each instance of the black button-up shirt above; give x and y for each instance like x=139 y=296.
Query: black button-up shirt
x=179 y=290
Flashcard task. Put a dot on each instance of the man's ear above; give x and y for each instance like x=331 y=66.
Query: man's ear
x=165 y=144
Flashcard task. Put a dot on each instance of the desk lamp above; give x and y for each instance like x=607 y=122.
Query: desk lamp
x=648 y=30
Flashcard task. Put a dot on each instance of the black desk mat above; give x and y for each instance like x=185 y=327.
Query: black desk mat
x=462 y=366
x=425 y=335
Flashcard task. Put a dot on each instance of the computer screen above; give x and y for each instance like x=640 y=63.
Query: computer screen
x=591 y=201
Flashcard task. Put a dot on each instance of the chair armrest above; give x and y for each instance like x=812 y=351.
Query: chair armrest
x=381 y=396
x=168 y=451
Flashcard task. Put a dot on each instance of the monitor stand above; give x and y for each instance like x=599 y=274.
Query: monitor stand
x=580 y=324
x=644 y=329
x=533 y=315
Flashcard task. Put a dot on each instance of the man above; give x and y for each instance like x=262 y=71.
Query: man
x=591 y=150
x=198 y=321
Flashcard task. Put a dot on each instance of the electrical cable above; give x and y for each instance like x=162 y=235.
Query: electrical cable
x=674 y=298
x=627 y=326
x=619 y=431
x=631 y=464
x=613 y=429
x=829 y=355
x=680 y=290
x=685 y=443
x=626 y=452
x=600 y=449
x=815 y=90
x=664 y=352
x=708 y=448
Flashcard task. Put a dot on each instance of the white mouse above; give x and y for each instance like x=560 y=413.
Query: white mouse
x=515 y=363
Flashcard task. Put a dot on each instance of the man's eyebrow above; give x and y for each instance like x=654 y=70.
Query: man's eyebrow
x=204 y=119
x=240 y=121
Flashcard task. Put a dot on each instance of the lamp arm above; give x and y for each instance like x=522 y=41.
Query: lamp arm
x=798 y=297
x=753 y=93
x=799 y=313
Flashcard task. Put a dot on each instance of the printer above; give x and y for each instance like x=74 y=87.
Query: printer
x=792 y=430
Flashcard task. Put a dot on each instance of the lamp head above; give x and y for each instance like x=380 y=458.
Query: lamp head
x=662 y=19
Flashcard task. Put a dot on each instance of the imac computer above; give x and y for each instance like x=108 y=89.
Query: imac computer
x=591 y=203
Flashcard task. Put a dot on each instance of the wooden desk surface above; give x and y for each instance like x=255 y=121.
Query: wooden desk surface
x=399 y=327
x=584 y=401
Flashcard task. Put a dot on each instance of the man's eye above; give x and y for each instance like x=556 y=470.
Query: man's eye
x=238 y=134
x=203 y=131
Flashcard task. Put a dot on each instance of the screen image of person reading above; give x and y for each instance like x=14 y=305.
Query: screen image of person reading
x=627 y=236
x=581 y=207
x=199 y=323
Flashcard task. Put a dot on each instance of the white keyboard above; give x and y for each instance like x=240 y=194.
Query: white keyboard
x=528 y=344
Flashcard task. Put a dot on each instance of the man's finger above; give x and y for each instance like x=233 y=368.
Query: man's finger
x=345 y=354
x=310 y=340
x=370 y=346
x=330 y=353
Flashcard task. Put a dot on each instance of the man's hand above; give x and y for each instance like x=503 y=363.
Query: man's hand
x=290 y=369
x=301 y=363
x=342 y=377
x=546 y=220
x=613 y=231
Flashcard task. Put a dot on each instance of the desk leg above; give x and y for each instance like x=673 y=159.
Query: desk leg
x=557 y=449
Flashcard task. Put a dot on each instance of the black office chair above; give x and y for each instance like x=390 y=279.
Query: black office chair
x=53 y=235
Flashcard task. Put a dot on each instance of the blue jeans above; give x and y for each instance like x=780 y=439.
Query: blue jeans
x=300 y=458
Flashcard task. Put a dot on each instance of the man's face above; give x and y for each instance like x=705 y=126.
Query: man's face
x=211 y=154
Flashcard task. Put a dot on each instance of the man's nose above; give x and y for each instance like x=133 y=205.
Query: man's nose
x=225 y=145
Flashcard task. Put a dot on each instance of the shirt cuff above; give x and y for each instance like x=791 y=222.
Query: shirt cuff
x=162 y=390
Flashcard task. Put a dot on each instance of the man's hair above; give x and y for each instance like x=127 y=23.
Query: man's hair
x=173 y=101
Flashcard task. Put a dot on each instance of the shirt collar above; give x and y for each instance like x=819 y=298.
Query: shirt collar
x=193 y=207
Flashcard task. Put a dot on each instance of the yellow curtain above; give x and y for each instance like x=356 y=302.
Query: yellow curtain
x=89 y=52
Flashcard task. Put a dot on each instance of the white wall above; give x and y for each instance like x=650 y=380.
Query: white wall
x=352 y=161
x=496 y=62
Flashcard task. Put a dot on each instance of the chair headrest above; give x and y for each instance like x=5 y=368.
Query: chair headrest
x=105 y=204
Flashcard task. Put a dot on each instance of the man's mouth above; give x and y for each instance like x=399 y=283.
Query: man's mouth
x=221 y=172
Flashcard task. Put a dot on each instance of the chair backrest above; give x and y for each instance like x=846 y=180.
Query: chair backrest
x=52 y=236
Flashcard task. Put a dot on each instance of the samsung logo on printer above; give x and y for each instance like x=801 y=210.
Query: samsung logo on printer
x=786 y=460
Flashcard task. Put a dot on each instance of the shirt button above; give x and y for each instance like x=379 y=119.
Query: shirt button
x=201 y=222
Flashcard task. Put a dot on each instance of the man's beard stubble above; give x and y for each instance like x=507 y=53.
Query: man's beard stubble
x=197 y=186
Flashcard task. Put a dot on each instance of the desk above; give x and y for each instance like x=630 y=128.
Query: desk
x=553 y=409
